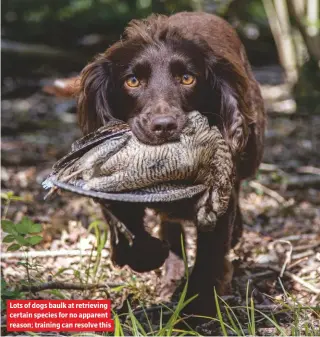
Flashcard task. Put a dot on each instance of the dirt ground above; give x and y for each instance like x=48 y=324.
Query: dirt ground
x=281 y=212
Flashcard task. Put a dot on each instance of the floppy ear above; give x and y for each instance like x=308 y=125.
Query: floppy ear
x=236 y=127
x=95 y=88
x=241 y=109
x=64 y=87
x=231 y=83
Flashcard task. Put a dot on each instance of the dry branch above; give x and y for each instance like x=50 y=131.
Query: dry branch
x=301 y=182
x=264 y=167
x=293 y=277
x=273 y=194
x=277 y=14
x=309 y=170
x=53 y=253
x=311 y=41
x=65 y=286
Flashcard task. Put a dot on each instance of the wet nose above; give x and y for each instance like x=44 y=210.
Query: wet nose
x=163 y=125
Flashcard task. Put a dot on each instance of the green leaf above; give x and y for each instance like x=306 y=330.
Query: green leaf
x=118 y=288
x=7 y=226
x=3 y=285
x=8 y=239
x=76 y=274
x=35 y=228
x=34 y=240
x=117 y=326
x=10 y=196
x=220 y=318
x=7 y=195
x=9 y=294
x=21 y=240
x=24 y=226
x=60 y=271
x=16 y=198
x=13 y=247
x=94 y=224
x=57 y=293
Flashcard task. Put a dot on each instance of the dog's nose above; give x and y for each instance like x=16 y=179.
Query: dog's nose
x=164 y=124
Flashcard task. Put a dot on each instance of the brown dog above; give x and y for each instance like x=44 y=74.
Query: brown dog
x=163 y=68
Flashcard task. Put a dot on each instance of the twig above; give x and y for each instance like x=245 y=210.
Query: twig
x=295 y=278
x=261 y=274
x=288 y=255
x=273 y=194
x=65 y=286
x=295 y=263
x=302 y=182
x=152 y=309
x=309 y=169
x=306 y=247
x=271 y=307
x=303 y=255
x=264 y=167
x=11 y=47
x=54 y=253
x=285 y=294
x=299 y=237
x=276 y=93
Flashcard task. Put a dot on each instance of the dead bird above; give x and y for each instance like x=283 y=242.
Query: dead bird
x=87 y=152
x=113 y=160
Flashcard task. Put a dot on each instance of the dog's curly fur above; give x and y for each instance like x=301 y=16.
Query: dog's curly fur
x=159 y=48
x=226 y=84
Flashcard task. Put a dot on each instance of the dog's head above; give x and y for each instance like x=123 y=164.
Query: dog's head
x=150 y=81
x=155 y=75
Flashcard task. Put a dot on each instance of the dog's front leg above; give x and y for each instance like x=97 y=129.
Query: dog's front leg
x=209 y=271
x=145 y=252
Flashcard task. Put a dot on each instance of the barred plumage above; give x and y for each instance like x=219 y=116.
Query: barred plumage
x=119 y=167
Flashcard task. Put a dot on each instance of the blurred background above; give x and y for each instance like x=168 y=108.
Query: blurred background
x=44 y=40
x=47 y=39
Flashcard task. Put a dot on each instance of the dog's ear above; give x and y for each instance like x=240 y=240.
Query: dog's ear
x=95 y=88
x=231 y=84
x=64 y=87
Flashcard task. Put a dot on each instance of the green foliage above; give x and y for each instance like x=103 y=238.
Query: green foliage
x=136 y=328
x=230 y=319
x=18 y=235
x=21 y=234
x=8 y=294
x=101 y=236
x=9 y=196
x=67 y=21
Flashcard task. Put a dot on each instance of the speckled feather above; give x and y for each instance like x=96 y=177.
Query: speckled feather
x=112 y=164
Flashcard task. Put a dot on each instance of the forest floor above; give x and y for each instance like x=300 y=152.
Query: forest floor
x=279 y=254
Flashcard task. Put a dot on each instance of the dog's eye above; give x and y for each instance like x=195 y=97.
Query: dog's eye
x=132 y=82
x=187 y=79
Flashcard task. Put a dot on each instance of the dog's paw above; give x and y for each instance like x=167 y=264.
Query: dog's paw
x=147 y=253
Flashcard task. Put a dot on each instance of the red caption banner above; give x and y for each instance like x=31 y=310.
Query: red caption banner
x=59 y=315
